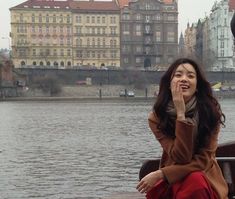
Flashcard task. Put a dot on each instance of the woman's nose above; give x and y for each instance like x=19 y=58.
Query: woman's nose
x=184 y=78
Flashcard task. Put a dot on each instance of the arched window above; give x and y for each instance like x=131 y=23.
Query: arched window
x=69 y=63
x=55 y=63
x=62 y=63
x=22 y=63
x=48 y=63
x=34 y=63
x=41 y=63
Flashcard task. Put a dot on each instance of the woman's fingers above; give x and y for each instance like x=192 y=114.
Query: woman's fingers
x=143 y=187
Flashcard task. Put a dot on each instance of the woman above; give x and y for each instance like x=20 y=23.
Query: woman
x=186 y=120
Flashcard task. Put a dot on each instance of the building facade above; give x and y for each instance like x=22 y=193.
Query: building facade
x=149 y=34
x=65 y=34
x=221 y=39
x=96 y=38
x=211 y=40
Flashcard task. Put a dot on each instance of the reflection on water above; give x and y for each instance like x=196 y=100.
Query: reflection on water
x=77 y=150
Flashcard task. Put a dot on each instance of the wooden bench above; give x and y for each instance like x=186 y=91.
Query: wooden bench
x=225 y=156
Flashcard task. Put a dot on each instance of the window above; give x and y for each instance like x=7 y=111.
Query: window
x=55 y=52
x=40 y=18
x=170 y=17
x=170 y=36
x=158 y=36
x=54 y=29
x=138 y=30
x=92 y=19
x=78 y=53
x=93 y=54
x=126 y=60
x=33 y=28
x=222 y=44
x=61 y=29
x=103 y=19
x=47 y=18
x=47 y=30
x=61 y=52
x=88 y=19
x=34 y=52
x=88 y=54
x=103 y=30
x=33 y=18
x=88 y=42
x=68 y=30
x=61 y=18
x=79 y=30
x=147 y=6
x=54 y=18
x=79 y=19
x=113 y=30
x=93 y=30
x=68 y=19
x=113 y=53
x=126 y=17
x=48 y=52
x=138 y=17
x=138 y=49
x=158 y=17
x=125 y=48
x=68 y=52
x=126 y=29
x=68 y=41
x=137 y=60
x=147 y=18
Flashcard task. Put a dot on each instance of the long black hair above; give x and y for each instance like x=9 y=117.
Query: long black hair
x=209 y=111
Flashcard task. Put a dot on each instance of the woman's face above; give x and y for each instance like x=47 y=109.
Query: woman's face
x=186 y=75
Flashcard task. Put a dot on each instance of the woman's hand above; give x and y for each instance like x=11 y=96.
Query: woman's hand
x=148 y=182
x=178 y=100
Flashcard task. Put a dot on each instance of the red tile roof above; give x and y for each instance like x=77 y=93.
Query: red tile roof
x=231 y=4
x=70 y=4
x=123 y=3
x=43 y=3
x=94 y=5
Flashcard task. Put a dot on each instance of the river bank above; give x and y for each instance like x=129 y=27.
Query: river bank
x=93 y=92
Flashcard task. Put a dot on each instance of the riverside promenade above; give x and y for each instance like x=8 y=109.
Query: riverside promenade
x=94 y=93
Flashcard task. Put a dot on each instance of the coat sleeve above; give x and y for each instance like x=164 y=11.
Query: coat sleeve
x=202 y=161
x=180 y=148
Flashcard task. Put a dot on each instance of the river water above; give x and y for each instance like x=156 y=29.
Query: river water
x=83 y=150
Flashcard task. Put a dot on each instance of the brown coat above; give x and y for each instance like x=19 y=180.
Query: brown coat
x=178 y=159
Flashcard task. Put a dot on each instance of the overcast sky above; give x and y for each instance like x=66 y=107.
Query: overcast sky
x=189 y=11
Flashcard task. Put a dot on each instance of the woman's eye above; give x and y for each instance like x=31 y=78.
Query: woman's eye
x=191 y=76
x=177 y=75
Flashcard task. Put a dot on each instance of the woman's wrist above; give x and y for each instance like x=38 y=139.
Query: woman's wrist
x=159 y=174
x=180 y=116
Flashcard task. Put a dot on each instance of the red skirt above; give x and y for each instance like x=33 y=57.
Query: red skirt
x=193 y=186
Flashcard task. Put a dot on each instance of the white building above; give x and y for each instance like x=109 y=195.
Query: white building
x=220 y=40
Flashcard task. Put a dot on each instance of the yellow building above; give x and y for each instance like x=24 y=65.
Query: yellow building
x=65 y=34
x=96 y=29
